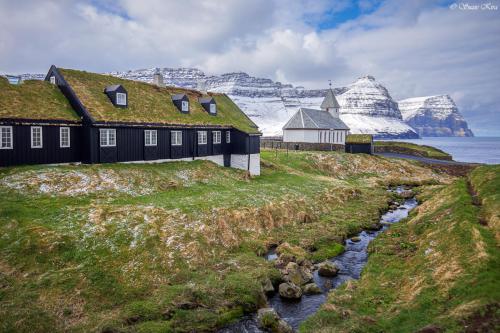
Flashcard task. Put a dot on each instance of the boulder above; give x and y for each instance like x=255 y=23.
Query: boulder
x=283 y=260
x=356 y=239
x=267 y=286
x=290 y=291
x=328 y=269
x=393 y=207
x=296 y=274
x=270 y=321
x=311 y=289
x=407 y=194
x=374 y=227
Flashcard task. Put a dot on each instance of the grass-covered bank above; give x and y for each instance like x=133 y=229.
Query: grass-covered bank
x=411 y=149
x=173 y=247
x=438 y=270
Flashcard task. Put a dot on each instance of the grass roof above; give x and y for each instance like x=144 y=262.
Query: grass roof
x=34 y=99
x=148 y=103
x=359 y=138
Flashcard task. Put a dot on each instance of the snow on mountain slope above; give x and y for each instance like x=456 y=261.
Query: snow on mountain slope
x=366 y=105
x=367 y=108
x=434 y=116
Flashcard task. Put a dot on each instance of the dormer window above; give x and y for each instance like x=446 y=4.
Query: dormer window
x=117 y=95
x=181 y=101
x=121 y=99
x=209 y=105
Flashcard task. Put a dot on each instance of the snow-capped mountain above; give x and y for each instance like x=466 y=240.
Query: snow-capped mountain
x=367 y=108
x=434 y=116
x=366 y=105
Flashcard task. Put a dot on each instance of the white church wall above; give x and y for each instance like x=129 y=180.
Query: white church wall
x=293 y=135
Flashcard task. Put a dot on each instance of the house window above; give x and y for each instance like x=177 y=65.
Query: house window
x=202 y=137
x=213 y=108
x=121 y=99
x=36 y=137
x=107 y=137
x=64 y=137
x=217 y=137
x=228 y=137
x=185 y=106
x=150 y=138
x=6 y=137
x=176 y=137
x=53 y=79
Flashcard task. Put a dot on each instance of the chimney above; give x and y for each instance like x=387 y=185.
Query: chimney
x=158 y=78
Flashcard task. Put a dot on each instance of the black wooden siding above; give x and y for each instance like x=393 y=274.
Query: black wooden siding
x=85 y=145
x=130 y=145
x=22 y=153
x=358 y=148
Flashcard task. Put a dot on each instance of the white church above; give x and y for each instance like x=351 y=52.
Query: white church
x=317 y=126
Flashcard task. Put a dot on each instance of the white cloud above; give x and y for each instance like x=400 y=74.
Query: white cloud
x=413 y=47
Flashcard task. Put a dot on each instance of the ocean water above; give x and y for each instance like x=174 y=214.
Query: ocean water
x=475 y=150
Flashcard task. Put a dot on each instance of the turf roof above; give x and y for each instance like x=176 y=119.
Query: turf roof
x=148 y=103
x=359 y=138
x=34 y=99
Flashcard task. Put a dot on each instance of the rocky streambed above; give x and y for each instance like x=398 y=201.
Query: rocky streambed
x=306 y=286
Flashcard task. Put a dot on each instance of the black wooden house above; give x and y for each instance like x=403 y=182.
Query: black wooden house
x=92 y=118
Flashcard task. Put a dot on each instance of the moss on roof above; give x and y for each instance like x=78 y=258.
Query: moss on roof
x=148 y=103
x=34 y=99
x=359 y=138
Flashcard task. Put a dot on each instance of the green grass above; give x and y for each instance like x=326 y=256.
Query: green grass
x=151 y=104
x=359 y=138
x=412 y=149
x=34 y=99
x=173 y=247
x=439 y=267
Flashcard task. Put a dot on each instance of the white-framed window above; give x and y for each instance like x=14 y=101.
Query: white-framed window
x=176 y=138
x=64 y=137
x=150 y=138
x=6 y=137
x=107 y=137
x=228 y=137
x=213 y=108
x=216 y=137
x=185 y=106
x=36 y=137
x=202 y=137
x=53 y=79
x=121 y=99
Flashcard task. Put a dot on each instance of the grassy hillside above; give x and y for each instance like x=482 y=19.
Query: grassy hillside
x=411 y=149
x=438 y=270
x=173 y=247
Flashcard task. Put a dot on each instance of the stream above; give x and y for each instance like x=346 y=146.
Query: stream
x=350 y=262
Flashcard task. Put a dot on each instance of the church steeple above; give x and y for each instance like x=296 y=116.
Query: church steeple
x=330 y=103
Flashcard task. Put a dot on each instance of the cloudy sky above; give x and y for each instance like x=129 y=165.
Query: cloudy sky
x=415 y=48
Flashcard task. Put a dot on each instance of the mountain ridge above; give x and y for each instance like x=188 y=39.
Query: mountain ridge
x=366 y=105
